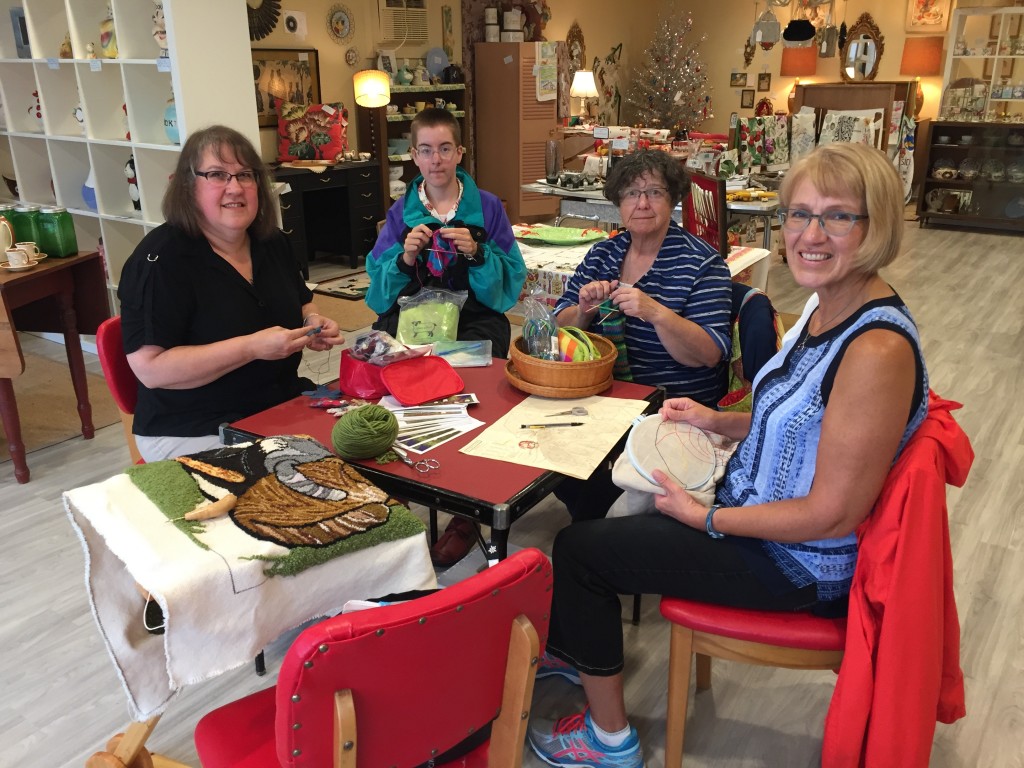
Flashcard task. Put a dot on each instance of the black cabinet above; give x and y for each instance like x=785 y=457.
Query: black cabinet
x=335 y=211
x=974 y=175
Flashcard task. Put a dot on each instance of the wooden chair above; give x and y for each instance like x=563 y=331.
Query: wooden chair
x=910 y=515
x=121 y=381
x=704 y=211
x=400 y=684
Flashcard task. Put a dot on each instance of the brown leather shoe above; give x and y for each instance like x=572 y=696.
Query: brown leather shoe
x=454 y=544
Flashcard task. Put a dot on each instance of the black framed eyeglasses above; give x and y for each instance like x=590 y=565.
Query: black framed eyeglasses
x=223 y=178
x=835 y=223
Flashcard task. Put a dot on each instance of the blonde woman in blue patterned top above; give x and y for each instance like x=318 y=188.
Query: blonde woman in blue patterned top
x=831 y=412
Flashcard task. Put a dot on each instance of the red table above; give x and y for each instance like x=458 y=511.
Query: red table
x=495 y=493
x=59 y=295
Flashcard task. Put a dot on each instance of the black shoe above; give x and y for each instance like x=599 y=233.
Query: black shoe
x=153 y=617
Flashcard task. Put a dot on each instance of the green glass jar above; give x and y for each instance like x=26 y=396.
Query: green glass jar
x=24 y=220
x=57 y=233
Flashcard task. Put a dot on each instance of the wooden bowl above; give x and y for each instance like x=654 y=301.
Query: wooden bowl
x=552 y=374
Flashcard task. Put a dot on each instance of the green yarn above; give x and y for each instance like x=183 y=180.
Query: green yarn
x=365 y=432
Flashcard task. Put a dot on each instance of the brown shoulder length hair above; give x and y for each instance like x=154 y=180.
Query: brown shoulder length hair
x=179 y=205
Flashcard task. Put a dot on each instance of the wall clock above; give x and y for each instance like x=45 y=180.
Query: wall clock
x=263 y=16
x=339 y=23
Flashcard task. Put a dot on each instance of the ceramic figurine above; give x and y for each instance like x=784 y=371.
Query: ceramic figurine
x=108 y=37
x=160 y=27
x=133 y=184
x=422 y=76
x=405 y=75
x=65 y=47
x=90 y=50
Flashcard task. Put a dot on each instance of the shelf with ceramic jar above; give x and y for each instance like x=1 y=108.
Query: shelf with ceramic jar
x=384 y=131
x=96 y=101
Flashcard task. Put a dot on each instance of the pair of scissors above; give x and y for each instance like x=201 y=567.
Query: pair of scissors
x=421 y=465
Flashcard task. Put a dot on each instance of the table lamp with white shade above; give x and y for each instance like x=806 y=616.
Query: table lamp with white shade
x=372 y=88
x=584 y=88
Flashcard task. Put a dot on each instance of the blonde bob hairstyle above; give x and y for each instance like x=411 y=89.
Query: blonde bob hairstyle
x=865 y=174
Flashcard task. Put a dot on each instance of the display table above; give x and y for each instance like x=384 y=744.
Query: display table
x=591 y=205
x=66 y=296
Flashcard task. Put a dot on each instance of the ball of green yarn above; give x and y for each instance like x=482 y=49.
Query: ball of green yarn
x=365 y=432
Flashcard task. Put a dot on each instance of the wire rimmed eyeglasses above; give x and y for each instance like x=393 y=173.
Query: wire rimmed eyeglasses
x=446 y=151
x=653 y=194
x=836 y=223
x=223 y=178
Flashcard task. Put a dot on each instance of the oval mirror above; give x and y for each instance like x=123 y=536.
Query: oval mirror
x=862 y=53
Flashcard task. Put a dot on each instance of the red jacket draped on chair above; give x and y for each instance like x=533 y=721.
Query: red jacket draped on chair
x=901 y=668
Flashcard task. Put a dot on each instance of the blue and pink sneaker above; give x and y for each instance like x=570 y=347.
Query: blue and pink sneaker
x=550 y=667
x=571 y=741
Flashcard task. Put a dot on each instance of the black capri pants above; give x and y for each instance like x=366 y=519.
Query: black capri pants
x=595 y=561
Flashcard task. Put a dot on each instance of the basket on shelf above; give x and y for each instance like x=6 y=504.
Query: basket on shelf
x=552 y=378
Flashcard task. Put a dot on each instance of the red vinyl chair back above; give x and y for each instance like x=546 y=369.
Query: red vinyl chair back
x=421 y=676
x=121 y=381
x=704 y=212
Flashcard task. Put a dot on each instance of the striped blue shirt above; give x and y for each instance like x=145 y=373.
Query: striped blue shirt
x=690 y=278
x=778 y=457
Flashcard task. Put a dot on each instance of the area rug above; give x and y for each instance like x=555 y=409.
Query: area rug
x=352 y=286
x=47 y=407
x=350 y=315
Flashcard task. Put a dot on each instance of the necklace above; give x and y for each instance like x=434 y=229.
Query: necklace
x=827 y=324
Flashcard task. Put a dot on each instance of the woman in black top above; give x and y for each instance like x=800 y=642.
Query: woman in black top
x=214 y=311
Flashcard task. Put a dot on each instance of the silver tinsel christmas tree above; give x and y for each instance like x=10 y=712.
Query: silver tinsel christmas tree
x=670 y=89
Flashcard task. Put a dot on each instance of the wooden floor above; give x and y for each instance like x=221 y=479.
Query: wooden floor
x=62 y=699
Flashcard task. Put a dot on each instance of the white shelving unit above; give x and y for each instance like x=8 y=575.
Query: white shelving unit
x=49 y=154
x=986 y=44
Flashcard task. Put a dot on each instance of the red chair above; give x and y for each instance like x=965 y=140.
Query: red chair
x=902 y=617
x=402 y=684
x=123 y=385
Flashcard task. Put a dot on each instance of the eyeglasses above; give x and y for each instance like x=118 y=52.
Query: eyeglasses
x=446 y=151
x=653 y=194
x=835 y=223
x=223 y=178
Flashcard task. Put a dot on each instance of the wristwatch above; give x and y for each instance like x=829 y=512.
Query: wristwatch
x=709 y=524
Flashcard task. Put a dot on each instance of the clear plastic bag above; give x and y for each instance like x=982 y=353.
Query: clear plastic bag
x=381 y=348
x=430 y=315
x=540 y=329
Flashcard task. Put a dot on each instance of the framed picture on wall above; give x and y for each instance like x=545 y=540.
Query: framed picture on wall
x=747 y=98
x=764 y=81
x=1005 y=68
x=927 y=15
x=289 y=74
x=738 y=80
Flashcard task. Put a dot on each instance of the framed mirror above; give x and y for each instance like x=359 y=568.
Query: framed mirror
x=863 y=50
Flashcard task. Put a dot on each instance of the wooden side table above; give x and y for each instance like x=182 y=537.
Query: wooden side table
x=66 y=296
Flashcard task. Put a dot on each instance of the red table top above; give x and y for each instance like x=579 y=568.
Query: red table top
x=495 y=482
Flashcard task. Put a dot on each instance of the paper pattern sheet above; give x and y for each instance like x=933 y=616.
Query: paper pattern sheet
x=573 y=451
x=547 y=71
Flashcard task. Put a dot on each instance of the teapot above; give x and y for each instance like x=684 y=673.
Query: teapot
x=6 y=234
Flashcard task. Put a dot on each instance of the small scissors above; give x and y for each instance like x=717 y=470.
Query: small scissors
x=422 y=465
x=577 y=410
